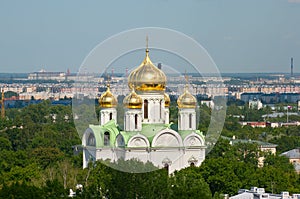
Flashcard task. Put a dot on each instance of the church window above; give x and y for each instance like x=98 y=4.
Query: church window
x=91 y=140
x=146 y=109
x=166 y=166
x=160 y=107
x=106 y=139
x=135 y=121
x=110 y=116
x=190 y=120
x=120 y=141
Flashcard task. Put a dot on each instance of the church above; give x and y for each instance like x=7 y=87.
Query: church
x=148 y=136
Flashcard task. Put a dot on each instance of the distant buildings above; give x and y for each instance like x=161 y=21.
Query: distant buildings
x=259 y=193
x=208 y=103
x=294 y=158
x=44 y=75
x=262 y=146
x=268 y=90
x=62 y=76
x=255 y=104
x=271 y=98
x=256 y=124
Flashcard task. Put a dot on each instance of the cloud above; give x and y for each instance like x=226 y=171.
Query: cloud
x=294 y=1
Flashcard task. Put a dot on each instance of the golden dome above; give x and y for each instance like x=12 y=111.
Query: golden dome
x=167 y=100
x=107 y=99
x=186 y=100
x=133 y=101
x=147 y=77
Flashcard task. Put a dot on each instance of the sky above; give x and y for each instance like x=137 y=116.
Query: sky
x=239 y=35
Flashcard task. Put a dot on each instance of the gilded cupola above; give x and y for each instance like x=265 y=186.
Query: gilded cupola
x=133 y=100
x=147 y=77
x=107 y=99
x=167 y=100
x=186 y=100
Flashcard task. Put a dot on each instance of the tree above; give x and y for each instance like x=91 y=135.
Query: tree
x=220 y=174
x=189 y=183
x=46 y=156
x=54 y=189
x=17 y=190
x=5 y=144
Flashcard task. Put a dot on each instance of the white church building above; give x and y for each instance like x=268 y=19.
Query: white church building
x=147 y=135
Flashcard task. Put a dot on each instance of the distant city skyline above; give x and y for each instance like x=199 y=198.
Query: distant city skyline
x=240 y=36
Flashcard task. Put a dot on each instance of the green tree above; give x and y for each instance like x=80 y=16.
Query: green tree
x=189 y=183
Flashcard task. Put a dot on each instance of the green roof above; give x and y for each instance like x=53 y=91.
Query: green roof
x=127 y=136
x=99 y=131
x=96 y=129
x=185 y=133
x=148 y=130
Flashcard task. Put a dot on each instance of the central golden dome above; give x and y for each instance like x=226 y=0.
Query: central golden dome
x=186 y=100
x=147 y=77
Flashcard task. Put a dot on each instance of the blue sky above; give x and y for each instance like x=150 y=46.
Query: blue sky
x=240 y=35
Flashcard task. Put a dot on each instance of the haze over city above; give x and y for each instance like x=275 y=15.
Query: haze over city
x=240 y=36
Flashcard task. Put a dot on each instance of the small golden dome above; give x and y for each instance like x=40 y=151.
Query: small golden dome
x=147 y=77
x=107 y=99
x=186 y=100
x=133 y=101
x=167 y=100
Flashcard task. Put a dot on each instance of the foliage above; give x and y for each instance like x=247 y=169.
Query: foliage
x=37 y=161
x=189 y=183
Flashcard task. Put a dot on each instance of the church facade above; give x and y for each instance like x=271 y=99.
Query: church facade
x=147 y=135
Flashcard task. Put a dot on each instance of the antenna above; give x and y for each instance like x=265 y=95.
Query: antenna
x=292 y=67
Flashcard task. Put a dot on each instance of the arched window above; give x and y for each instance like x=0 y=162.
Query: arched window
x=166 y=163
x=135 y=121
x=120 y=141
x=110 y=116
x=160 y=107
x=192 y=161
x=190 y=120
x=145 y=109
x=106 y=139
x=166 y=166
x=91 y=140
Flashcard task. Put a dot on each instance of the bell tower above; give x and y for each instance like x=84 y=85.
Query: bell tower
x=108 y=104
x=187 y=104
x=133 y=112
